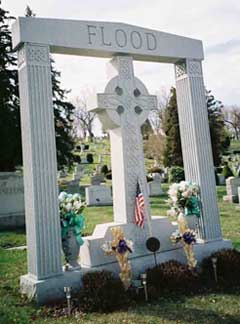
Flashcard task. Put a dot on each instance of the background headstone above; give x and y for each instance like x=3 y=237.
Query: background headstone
x=98 y=195
x=11 y=200
x=232 y=184
x=154 y=186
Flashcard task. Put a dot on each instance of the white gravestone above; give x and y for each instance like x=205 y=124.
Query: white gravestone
x=11 y=200
x=98 y=195
x=154 y=187
x=122 y=114
x=232 y=184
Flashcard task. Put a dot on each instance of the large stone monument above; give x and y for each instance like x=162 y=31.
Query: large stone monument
x=122 y=109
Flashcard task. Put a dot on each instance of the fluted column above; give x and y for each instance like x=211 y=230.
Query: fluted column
x=39 y=159
x=196 y=142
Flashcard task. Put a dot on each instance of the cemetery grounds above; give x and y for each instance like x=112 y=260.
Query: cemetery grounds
x=215 y=307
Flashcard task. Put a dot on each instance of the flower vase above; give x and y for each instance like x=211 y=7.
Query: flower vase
x=71 y=250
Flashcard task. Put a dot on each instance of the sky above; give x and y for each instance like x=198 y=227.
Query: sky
x=215 y=22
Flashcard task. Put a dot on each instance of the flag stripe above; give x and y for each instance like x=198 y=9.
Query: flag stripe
x=139 y=208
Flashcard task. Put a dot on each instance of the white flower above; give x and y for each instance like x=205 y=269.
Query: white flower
x=62 y=196
x=76 y=196
x=187 y=194
x=183 y=185
x=68 y=207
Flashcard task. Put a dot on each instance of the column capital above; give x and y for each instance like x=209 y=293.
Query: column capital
x=188 y=68
x=33 y=54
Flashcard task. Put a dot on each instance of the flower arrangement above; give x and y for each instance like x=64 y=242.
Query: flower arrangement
x=71 y=208
x=183 y=198
x=121 y=248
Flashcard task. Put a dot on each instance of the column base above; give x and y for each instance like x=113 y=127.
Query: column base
x=50 y=290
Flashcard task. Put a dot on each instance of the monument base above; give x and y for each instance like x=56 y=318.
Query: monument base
x=52 y=289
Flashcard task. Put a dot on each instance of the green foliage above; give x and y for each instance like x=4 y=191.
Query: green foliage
x=228 y=268
x=172 y=277
x=172 y=154
x=101 y=292
x=176 y=175
x=10 y=135
x=219 y=137
x=146 y=129
x=63 y=111
x=104 y=169
x=227 y=172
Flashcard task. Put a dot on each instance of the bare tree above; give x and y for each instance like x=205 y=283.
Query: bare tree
x=232 y=120
x=83 y=120
x=156 y=116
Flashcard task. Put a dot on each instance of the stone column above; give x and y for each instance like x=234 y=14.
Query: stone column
x=40 y=165
x=196 y=142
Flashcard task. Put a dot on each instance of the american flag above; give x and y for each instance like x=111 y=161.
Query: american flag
x=139 y=208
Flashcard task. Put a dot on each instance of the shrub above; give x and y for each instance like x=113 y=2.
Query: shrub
x=156 y=170
x=101 y=292
x=77 y=159
x=172 y=277
x=227 y=172
x=89 y=158
x=176 y=174
x=228 y=268
x=109 y=175
x=104 y=169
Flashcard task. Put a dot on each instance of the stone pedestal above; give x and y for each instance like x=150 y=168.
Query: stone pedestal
x=93 y=258
x=232 y=185
x=11 y=200
x=40 y=166
x=98 y=195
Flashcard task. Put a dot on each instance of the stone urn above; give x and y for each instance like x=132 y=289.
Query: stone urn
x=71 y=250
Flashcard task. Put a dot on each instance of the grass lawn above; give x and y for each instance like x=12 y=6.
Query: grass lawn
x=216 y=308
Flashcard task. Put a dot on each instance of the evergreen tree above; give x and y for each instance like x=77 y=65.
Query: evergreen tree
x=173 y=151
x=10 y=136
x=217 y=127
x=10 y=131
x=172 y=154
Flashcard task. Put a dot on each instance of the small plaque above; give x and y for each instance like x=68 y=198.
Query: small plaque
x=138 y=110
x=153 y=244
x=120 y=110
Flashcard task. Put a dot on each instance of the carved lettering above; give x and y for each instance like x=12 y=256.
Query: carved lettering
x=136 y=39
x=151 y=41
x=91 y=32
x=99 y=35
x=103 y=38
x=120 y=37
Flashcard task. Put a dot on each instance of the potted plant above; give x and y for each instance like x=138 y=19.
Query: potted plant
x=72 y=224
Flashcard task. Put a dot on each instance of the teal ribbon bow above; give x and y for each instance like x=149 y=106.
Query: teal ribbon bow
x=193 y=207
x=75 y=221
